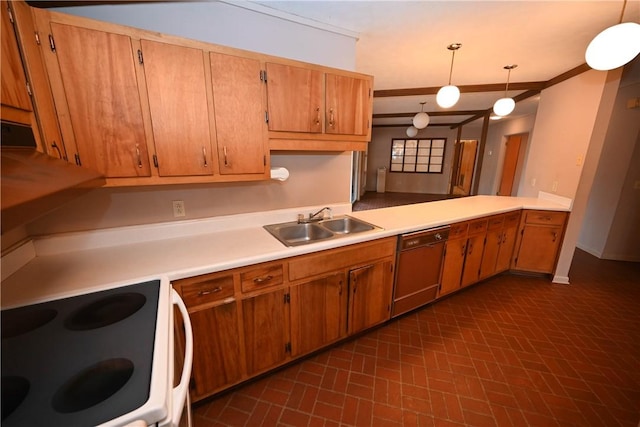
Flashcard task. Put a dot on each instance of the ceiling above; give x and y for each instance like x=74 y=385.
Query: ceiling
x=403 y=44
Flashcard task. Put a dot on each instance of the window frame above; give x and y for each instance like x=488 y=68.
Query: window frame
x=420 y=157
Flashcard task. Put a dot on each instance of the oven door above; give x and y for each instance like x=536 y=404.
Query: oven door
x=182 y=354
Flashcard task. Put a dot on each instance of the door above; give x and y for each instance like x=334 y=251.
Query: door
x=216 y=348
x=472 y=260
x=463 y=176
x=370 y=290
x=175 y=77
x=346 y=105
x=538 y=248
x=453 y=264
x=239 y=113
x=294 y=97
x=14 y=82
x=509 y=165
x=265 y=330
x=100 y=91
x=318 y=313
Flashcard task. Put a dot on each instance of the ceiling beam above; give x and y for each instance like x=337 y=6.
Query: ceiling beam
x=431 y=113
x=452 y=125
x=493 y=87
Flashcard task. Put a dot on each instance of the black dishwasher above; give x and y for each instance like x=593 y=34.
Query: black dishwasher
x=419 y=269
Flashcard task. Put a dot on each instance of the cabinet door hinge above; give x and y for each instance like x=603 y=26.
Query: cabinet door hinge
x=37 y=36
x=140 y=58
x=287 y=348
x=287 y=298
x=77 y=157
x=155 y=160
x=52 y=43
x=266 y=117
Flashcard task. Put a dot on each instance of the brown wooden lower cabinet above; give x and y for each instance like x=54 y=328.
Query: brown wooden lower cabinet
x=265 y=330
x=370 y=294
x=539 y=241
x=318 y=313
x=284 y=309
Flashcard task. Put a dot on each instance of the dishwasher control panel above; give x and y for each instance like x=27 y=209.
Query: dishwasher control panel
x=423 y=238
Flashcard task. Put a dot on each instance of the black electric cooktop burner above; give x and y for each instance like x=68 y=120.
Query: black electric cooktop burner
x=79 y=361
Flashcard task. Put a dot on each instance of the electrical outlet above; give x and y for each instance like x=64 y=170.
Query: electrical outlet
x=579 y=161
x=178 y=208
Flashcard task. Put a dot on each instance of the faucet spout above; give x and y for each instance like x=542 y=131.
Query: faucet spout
x=318 y=216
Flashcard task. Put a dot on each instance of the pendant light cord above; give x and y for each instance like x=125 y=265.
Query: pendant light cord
x=451 y=69
x=624 y=5
x=507 y=86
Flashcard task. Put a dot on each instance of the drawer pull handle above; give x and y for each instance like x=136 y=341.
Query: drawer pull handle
x=544 y=218
x=210 y=291
x=261 y=280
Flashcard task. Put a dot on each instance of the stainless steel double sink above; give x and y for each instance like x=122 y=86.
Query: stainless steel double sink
x=294 y=233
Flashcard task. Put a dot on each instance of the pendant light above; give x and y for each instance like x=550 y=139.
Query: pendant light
x=615 y=46
x=412 y=131
x=504 y=106
x=448 y=95
x=421 y=120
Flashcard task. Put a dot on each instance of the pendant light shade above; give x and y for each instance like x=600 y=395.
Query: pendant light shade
x=505 y=106
x=614 y=47
x=421 y=120
x=412 y=131
x=448 y=95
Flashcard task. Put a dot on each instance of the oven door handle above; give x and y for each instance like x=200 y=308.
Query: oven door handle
x=181 y=390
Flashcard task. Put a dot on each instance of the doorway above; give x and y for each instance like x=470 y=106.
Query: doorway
x=464 y=162
x=512 y=164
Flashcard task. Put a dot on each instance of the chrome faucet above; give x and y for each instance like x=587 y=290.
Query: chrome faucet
x=314 y=217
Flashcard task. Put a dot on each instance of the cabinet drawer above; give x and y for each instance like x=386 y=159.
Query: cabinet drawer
x=458 y=230
x=545 y=217
x=478 y=226
x=261 y=276
x=512 y=219
x=205 y=289
x=495 y=222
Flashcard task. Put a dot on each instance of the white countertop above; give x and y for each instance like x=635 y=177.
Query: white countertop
x=86 y=262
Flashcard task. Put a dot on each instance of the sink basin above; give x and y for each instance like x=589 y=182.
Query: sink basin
x=346 y=225
x=303 y=233
x=295 y=234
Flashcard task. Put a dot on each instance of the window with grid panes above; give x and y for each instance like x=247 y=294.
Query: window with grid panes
x=424 y=155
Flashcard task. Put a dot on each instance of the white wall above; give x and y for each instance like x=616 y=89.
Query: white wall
x=611 y=227
x=379 y=155
x=315 y=179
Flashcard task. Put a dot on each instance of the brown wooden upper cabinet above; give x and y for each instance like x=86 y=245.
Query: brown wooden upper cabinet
x=175 y=77
x=309 y=103
x=239 y=114
x=96 y=93
x=14 y=82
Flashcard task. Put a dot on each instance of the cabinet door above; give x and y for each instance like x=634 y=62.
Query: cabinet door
x=318 y=313
x=370 y=290
x=216 y=349
x=347 y=105
x=490 y=253
x=538 y=248
x=175 y=77
x=14 y=82
x=100 y=91
x=472 y=260
x=265 y=330
x=239 y=114
x=506 y=249
x=453 y=264
x=294 y=96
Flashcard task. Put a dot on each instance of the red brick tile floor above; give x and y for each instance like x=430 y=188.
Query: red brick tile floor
x=510 y=351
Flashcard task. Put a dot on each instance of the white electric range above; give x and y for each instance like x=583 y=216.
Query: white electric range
x=99 y=358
